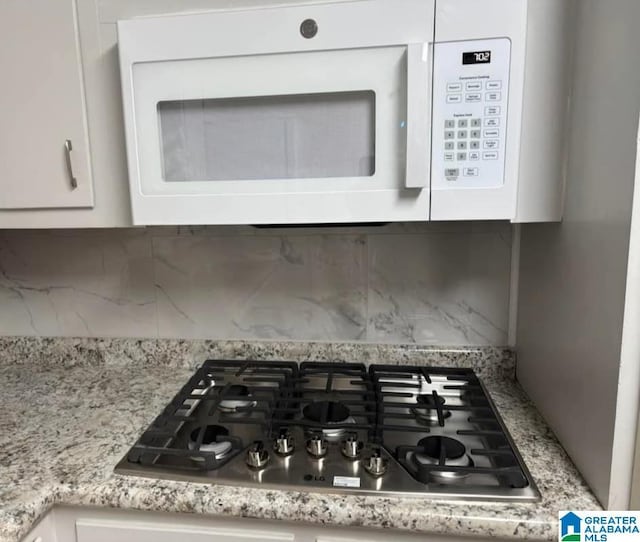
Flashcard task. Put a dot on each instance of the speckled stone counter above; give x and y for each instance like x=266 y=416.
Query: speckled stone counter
x=71 y=408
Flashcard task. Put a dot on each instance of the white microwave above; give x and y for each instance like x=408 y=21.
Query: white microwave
x=343 y=112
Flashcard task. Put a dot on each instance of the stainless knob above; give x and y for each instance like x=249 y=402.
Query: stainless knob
x=351 y=447
x=284 y=444
x=257 y=456
x=317 y=446
x=375 y=464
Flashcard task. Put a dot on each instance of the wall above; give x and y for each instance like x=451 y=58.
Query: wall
x=444 y=283
x=572 y=275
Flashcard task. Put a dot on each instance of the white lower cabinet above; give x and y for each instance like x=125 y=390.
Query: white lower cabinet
x=66 y=524
x=44 y=531
x=88 y=530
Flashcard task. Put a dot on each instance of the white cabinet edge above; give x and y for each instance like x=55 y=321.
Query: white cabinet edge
x=628 y=402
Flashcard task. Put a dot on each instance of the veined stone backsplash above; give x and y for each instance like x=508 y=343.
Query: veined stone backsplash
x=445 y=284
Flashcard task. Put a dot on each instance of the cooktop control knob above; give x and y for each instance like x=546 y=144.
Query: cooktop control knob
x=317 y=446
x=257 y=456
x=375 y=464
x=351 y=447
x=284 y=444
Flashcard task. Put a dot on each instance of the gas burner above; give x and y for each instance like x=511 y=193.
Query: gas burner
x=210 y=442
x=232 y=405
x=329 y=413
x=427 y=409
x=326 y=412
x=442 y=451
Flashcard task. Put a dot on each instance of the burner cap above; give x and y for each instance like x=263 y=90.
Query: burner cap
x=438 y=447
x=430 y=400
x=235 y=390
x=210 y=440
x=335 y=412
x=441 y=451
x=427 y=411
x=238 y=389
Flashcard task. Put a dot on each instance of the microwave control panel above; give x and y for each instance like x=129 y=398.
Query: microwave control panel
x=469 y=119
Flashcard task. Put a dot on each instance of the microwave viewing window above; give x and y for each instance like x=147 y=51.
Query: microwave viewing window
x=268 y=137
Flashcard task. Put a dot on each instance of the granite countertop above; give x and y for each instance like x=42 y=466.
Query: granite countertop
x=71 y=408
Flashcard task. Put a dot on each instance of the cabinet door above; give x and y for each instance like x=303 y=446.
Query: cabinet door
x=44 y=531
x=42 y=110
x=88 y=530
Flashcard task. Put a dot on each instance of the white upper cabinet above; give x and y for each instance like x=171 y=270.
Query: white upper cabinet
x=44 y=146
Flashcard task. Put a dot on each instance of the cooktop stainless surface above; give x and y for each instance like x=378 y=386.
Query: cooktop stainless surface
x=335 y=427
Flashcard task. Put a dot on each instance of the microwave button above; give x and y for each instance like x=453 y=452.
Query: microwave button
x=450 y=123
x=494 y=85
x=462 y=145
x=462 y=134
x=454 y=98
x=491 y=110
x=470 y=171
x=475 y=134
x=461 y=156
x=454 y=87
x=448 y=156
x=308 y=28
x=474 y=97
x=490 y=155
x=473 y=85
x=451 y=172
x=493 y=96
x=492 y=132
x=462 y=123
x=449 y=134
x=474 y=155
x=491 y=143
x=492 y=122
x=474 y=144
x=475 y=123
x=448 y=145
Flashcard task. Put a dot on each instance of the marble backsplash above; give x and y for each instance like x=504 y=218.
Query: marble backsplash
x=440 y=284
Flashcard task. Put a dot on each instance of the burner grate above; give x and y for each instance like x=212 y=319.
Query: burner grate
x=197 y=405
x=473 y=422
x=346 y=386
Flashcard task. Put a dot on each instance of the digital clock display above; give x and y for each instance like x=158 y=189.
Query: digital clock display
x=476 y=57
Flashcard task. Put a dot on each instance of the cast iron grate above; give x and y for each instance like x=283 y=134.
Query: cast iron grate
x=406 y=383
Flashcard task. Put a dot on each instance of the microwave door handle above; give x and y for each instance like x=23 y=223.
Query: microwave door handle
x=418 y=115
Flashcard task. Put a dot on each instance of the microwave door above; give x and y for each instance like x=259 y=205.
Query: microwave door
x=261 y=138
x=316 y=136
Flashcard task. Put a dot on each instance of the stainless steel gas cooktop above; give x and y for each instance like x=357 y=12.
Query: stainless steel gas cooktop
x=335 y=427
